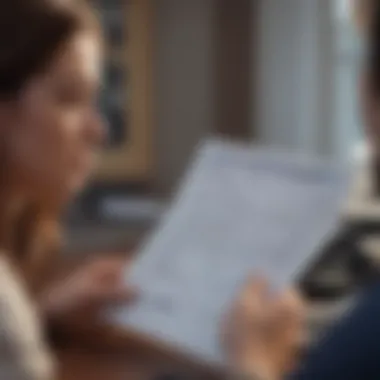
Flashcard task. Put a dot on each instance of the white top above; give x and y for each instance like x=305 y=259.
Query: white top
x=23 y=354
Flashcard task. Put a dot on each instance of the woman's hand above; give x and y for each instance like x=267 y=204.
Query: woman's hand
x=87 y=290
x=263 y=333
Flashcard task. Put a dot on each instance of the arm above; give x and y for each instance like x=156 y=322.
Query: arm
x=262 y=333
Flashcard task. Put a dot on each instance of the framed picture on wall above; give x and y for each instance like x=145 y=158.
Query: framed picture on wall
x=125 y=100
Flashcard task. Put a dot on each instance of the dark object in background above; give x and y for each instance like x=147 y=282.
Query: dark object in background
x=116 y=130
x=112 y=20
x=349 y=267
x=349 y=349
x=113 y=100
x=115 y=76
x=173 y=376
x=115 y=33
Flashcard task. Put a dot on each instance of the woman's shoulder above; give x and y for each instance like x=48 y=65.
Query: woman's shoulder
x=13 y=292
x=22 y=348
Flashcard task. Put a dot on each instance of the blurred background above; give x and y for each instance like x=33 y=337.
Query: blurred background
x=277 y=72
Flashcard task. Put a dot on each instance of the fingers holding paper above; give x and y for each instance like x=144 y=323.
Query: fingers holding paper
x=88 y=290
x=263 y=332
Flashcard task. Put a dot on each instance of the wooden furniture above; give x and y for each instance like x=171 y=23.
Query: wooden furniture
x=104 y=356
x=235 y=35
x=90 y=350
x=88 y=365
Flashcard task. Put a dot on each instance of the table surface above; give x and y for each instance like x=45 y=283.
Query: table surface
x=100 y=353
x=88 y=365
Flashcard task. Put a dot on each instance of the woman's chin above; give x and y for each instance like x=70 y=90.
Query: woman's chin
x=63 y=192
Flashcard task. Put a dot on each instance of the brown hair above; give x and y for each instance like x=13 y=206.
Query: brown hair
x=31 y=33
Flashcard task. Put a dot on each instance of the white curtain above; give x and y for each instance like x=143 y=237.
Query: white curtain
x=303 y=95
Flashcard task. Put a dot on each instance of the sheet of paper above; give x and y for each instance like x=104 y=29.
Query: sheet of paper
x=239 y=211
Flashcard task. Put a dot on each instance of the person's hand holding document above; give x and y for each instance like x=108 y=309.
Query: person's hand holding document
x=240 y=210
x=262 y=334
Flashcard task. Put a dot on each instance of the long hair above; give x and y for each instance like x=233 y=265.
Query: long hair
x=31 y=33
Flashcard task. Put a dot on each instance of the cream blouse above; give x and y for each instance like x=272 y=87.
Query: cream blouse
x=23 y=353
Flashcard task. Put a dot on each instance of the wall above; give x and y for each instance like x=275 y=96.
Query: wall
x=294 y=96
x=183 y=72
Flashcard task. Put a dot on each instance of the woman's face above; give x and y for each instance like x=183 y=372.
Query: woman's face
x=54 y=130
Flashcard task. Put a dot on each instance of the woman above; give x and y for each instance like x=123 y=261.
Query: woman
x=49 y=72
x=50 y=130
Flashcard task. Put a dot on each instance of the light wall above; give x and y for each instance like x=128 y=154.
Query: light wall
x=184 y=82
x=294 y=75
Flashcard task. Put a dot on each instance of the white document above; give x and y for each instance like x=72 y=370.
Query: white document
x=239 y=211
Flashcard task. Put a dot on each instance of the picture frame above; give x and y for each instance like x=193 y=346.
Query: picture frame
x=126 y=100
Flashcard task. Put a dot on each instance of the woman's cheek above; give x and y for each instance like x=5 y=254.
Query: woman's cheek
x=49 y=151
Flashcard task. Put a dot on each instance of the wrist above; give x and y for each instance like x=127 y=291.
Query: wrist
x=257 y=370
x=259 y=373
x=252 y=375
